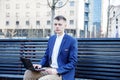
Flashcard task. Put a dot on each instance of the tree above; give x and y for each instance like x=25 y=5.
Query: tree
x=53 y=5
x=9 y=32
x=12 y=32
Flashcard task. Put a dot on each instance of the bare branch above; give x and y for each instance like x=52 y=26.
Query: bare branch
x=4 y=32
x=56 y=2
x=49 y=4
x=12 y=32
x=63 y=4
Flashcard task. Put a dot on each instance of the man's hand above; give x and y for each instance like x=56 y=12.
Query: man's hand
x=37 y=66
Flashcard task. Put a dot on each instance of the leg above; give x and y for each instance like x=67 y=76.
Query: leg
x=50 y=77
x=30 y=75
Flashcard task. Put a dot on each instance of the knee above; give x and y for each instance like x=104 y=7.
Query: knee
x=27 y=73
x=31 y=75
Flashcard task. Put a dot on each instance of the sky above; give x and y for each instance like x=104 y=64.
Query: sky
x=115 y=2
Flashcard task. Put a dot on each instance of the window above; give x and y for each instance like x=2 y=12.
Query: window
x=86 y=5
x=17 y=6
x=17 y=23
x=71 y=22
x=71 y=13
x=7 y=14
x=116 y=20
x=116 y=27
x=117 y=32
x=27 y=23
x=37 y=5
x=27 y=5
x=37 y=22
x=7 y=6
x=17 y=14
x=48 y=13
x=86 y=14
x=7 y=23
x=48 y=22
x=37 y=14
x=27 y=14
x=72 y=3
x=113 y=13
x=86 y=23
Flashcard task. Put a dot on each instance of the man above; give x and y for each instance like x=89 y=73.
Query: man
x=60 y=56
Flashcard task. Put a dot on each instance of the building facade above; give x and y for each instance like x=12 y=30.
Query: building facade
x=114 y=22
x=92 y=18
x=96 y=20
x=32 y=18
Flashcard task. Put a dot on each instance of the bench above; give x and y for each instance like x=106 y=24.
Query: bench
x=10 y=52
x=98 y=58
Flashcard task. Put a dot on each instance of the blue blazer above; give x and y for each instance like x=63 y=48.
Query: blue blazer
x=67 y=56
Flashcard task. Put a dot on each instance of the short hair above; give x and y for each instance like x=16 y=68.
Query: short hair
x=60 y=17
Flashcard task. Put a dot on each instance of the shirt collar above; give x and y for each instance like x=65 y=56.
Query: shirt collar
x=61 y=36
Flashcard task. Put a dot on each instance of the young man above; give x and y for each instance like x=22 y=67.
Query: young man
x=60 y=56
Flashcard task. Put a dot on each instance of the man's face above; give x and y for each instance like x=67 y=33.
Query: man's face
x=59 y=26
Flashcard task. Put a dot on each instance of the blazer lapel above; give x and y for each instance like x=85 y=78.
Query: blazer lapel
x=62 y=44
x=52 y=45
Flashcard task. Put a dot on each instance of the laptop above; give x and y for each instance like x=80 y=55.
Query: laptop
x=28 y=65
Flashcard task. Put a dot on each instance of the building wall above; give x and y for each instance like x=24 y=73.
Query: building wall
x=114 y=25
x=80 y=18
x=104 y=18
x=36 y=14
x=95 y=11
x=22 y=11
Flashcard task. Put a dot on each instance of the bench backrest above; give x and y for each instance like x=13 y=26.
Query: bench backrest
x=12 y=50
x=97 y=58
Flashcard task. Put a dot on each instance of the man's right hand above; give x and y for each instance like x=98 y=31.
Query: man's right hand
x=38 y=66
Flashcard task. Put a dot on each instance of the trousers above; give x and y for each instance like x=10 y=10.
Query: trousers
x=32 y=75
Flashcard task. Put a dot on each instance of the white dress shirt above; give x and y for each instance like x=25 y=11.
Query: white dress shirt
x=55 y=52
